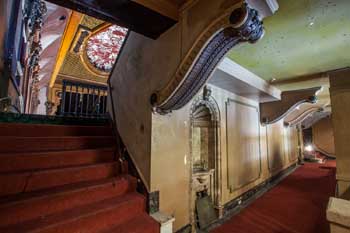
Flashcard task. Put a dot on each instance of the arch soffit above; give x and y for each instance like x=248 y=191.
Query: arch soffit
x=209 y=102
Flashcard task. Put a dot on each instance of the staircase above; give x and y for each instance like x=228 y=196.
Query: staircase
x=66 y=179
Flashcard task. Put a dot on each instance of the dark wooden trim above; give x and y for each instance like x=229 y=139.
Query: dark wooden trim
x=125 y=13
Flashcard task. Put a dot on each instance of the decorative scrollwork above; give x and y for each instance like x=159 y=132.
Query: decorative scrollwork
x=35 y=10
x=241 y=25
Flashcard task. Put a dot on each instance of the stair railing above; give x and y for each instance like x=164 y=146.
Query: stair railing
x=83 y=100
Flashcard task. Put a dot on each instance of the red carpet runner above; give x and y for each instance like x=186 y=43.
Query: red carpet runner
x=296 y=205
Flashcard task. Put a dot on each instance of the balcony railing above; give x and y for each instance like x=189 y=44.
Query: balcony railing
x=83 y=100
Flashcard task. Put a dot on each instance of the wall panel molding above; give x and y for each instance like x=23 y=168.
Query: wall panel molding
x=275 y=146
x=242 y=125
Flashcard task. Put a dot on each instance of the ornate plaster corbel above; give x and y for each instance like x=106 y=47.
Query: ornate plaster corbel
x=233 y=27
x=305 y=114
x=272 y=112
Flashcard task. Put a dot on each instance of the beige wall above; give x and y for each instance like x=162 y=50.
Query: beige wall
x=340 y=99
x=323 y=135
x=171 y=163
x=245 y=146
x=160 y=144
x=147 y=65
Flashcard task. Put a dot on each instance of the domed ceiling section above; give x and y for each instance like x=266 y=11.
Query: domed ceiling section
x=103 y=48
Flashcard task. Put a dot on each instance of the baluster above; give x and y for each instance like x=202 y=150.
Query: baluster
x=87 y=101
x=63 y=98
x=82 y=100
x=93 y=113
x=105 y=103
x=102 y=103
x=99 y=101
x=76 y=99
x=70 y=99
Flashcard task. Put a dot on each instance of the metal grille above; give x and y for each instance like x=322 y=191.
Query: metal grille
x=83 y=100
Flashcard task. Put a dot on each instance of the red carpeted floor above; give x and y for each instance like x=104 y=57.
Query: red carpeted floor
x=296 y=205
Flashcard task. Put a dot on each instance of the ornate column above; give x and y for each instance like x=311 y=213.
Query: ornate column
x=35 y=10
x=340 y=100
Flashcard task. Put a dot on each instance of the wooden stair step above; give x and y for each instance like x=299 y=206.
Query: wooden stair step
x=88 y=219
x=142 y=223
x=43 y=130
x=12 y=183
x=22 y=161
x=39 y=144
x=19 y=208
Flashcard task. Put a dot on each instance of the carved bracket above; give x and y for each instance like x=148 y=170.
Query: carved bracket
x=272 y=112
x=241 y=25
x=305 y=114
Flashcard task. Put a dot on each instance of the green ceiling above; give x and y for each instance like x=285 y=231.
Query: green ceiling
x=303 y=37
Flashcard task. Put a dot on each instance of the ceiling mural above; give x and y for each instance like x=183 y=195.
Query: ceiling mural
x=103 y=48
x=93 y=51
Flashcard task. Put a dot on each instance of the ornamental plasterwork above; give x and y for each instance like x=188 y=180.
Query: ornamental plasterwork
x=103 y=48
x=234 y=26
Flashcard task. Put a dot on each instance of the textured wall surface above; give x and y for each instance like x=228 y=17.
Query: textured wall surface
x=243 y=144
x=323 y=135
x=244 y=147
x=340 y=98
x=160 y=145
x=147 y=65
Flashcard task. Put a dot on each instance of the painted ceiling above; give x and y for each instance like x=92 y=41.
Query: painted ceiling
x=103 y=48
x=303 y=37
x=93 y=51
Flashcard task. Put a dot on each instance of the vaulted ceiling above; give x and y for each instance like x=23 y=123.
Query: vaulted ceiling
x=303 y=37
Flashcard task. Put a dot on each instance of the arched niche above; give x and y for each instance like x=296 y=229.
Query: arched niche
x=203 y=124
x=233 y=27
x=205 y=151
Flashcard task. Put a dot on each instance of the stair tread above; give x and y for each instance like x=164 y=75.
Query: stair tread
x=55 y=137
x=19 y=182
x=59 y=190
x=138 y=224
x=9 y=144
x=32 y=161
x=54 y=152
x=34 y=130
x=74 y=214
x=50 y=170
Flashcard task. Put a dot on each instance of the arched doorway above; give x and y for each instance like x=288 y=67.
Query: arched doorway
x=205 y=160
